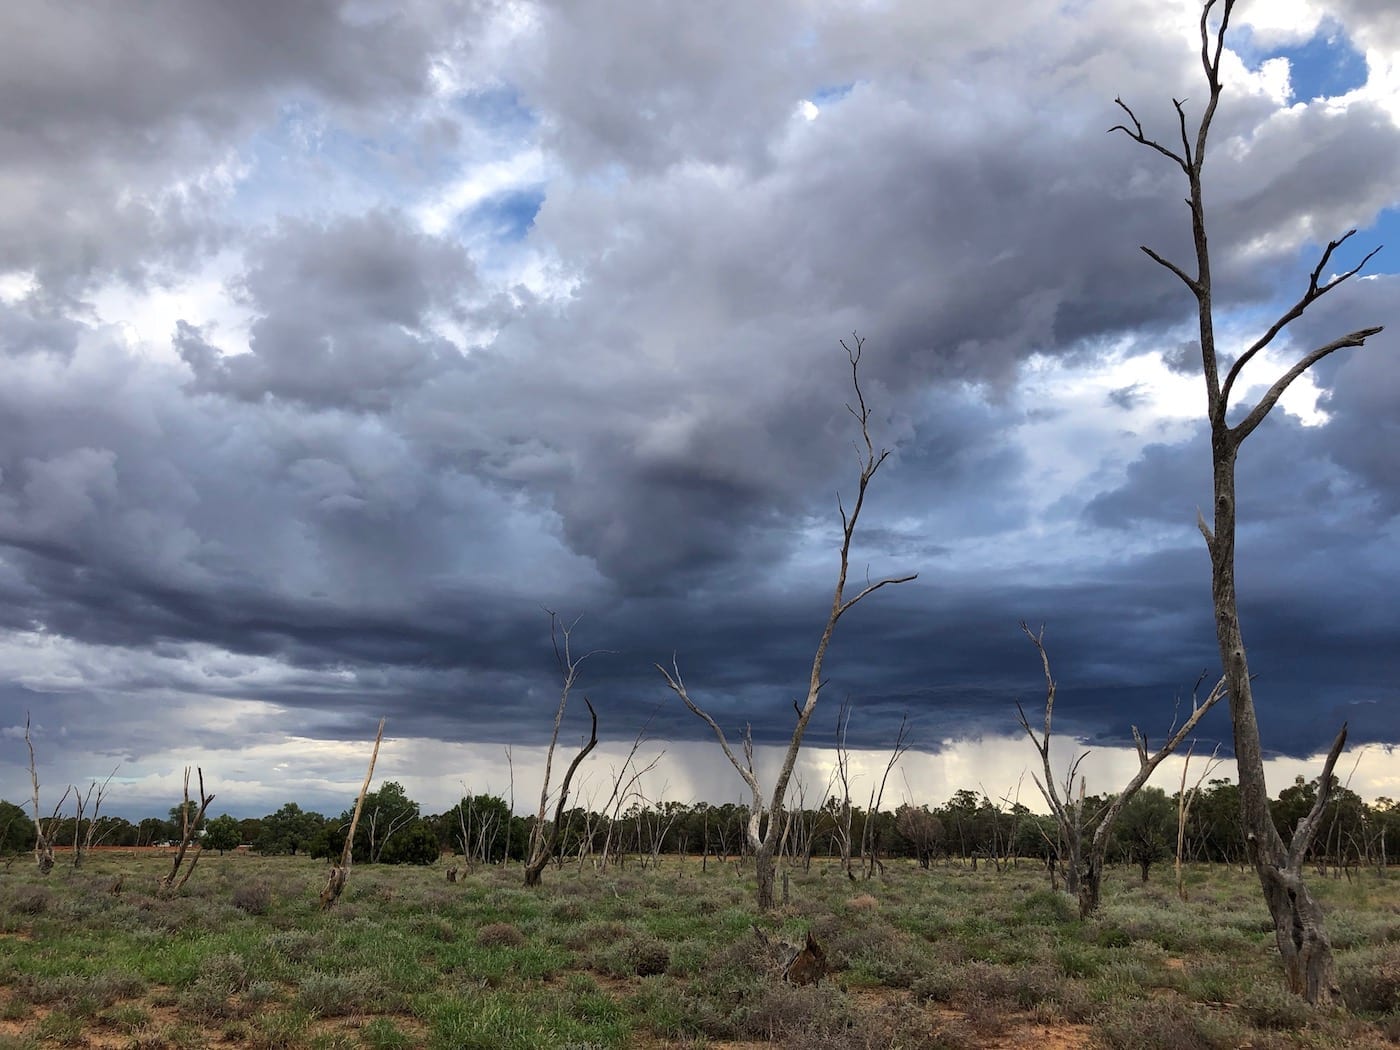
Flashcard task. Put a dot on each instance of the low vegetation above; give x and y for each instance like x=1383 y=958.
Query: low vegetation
x=670 y=955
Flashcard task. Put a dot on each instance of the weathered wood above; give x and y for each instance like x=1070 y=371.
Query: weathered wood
x=1299 y=927
x=339 y=873
x=546 y=841
x=188 y=831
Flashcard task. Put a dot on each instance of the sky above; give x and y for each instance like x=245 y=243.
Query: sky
x=343 y=339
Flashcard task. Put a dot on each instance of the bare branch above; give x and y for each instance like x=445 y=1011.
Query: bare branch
x=1307 y=827
x=1135 y=133
x=1148 y=764
x=1205 y=529
x=1185 y=277
x=1058 y=807
x=1314 y=292
x=875 y=587
x=1211 y=64
x=1256 y=416
x=677 y=686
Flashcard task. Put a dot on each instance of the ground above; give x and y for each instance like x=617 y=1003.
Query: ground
x=667 y=957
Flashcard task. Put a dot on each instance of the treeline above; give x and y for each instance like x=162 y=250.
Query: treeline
x=970 y=827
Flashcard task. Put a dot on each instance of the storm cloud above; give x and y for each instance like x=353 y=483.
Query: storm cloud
x=339 y=341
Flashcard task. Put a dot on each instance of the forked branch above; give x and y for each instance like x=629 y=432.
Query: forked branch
x=188 y=832
x=1314 y=292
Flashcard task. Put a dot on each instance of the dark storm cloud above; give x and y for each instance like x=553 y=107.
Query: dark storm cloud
x=1316 y=560
x=380 y=514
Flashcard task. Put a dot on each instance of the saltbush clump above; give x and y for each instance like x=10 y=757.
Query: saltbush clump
x=253 y=897
x=500 y=935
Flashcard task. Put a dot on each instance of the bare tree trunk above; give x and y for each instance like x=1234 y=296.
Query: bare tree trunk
x=843 y=774
x=339 y=874
x=43 y=829
x=188 y=832
x=765 y=870
x=543 y=835
x=869 y=834
x=1298 y=920
x=764 y=846
x=1090 y=884
x=543 y=848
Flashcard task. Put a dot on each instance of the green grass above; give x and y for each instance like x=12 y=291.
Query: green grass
x=668 y=956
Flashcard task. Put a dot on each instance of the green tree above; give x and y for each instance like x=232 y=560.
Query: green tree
x=153 y=830
x=479 y=826
x=416 y=843
x=16 y=829
x=222 y=833
x=289 y=830
x=1145 y=826
x=386 y=813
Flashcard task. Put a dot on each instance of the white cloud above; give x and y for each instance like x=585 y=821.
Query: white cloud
x=16 y=285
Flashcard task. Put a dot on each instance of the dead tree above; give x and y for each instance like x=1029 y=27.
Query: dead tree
x=1184 y=799
x=1299 y=926
x=43 y=828
x=764 y=841
x=622 y=792
x=544 y=838
x=85 y=838
x=173 y=881
x=842 y=772
x=1087 y=861
x=340 y=873
x=545 y=834
x=868 y=835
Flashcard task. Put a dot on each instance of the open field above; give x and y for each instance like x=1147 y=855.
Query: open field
x=940 y=958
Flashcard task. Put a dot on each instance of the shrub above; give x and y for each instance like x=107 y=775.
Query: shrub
x=327 y=995
x=1268 y=1004
x=1370 y=980
x=648 y=957
x=253 y=897
x=1165 y=1025
x=500 y=935
x=31 y=900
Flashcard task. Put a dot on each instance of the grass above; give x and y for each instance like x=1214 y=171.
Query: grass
x=667 y=957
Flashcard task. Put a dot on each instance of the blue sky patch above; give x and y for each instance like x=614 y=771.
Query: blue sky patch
x=1325 y=65
x=508 y=216
x=830 y=94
